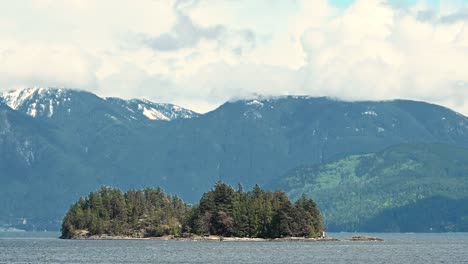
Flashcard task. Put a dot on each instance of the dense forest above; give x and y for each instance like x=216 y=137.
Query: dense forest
x=146 y=213
x=390 y=190
x=258 y=213
x=222 y=211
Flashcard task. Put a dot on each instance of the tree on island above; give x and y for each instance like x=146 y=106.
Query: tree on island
x=143 y=213
x=222 y=211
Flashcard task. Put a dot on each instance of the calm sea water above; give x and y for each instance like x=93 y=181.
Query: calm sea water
x=397 y=248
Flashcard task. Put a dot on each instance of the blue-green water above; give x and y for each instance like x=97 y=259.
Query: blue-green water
x=397 y=248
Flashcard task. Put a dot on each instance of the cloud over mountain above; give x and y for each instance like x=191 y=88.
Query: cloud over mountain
x=201 y=53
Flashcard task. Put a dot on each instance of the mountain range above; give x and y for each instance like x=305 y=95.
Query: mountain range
x=59 y=144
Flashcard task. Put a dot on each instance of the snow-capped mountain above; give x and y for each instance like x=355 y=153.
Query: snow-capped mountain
x=154 y=111
x=76 y=141
x=40 y=102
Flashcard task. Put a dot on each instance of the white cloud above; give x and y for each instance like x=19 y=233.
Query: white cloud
x=48 y=65
x=202 y=52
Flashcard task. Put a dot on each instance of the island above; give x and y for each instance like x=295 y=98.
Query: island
x=222 y=214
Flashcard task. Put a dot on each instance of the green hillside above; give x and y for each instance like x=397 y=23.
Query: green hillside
x=410 y=188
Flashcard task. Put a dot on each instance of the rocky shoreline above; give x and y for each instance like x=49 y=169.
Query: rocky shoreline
x=227 y=239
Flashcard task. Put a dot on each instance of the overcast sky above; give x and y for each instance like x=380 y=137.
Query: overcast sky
x=200 y=53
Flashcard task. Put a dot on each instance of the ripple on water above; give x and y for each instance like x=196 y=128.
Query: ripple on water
x=396 y=249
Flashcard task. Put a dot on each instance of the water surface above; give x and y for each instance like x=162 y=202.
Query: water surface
x=397 y=248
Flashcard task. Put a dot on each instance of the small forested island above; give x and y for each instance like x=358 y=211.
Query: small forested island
x=222 y=212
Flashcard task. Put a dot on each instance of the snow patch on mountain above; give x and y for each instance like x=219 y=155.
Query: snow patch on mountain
x=15 y=99
x=160 y=111
x=141 y=108
x=47 y=102
x=255 y=102
x=36 y=101
x=112 y=117
x=152 y=113
x=370 y=113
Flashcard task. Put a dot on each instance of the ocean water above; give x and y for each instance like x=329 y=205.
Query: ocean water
x=397 y=248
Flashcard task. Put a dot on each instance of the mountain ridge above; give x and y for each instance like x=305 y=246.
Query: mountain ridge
x=247 y=141
x=41 y=102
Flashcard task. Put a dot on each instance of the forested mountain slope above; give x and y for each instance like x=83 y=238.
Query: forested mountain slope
x=407 y=188
x=92 y=141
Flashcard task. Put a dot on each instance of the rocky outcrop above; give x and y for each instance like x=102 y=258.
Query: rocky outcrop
x=364 y=238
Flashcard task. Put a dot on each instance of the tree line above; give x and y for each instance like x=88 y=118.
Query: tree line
x=222 y=211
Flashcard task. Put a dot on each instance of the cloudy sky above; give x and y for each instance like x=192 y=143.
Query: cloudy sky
x=200 y=53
